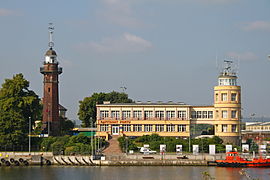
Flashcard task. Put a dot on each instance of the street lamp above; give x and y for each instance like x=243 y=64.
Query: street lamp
x=29 y=136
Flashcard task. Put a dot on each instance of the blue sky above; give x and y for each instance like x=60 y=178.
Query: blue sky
x=161 y=50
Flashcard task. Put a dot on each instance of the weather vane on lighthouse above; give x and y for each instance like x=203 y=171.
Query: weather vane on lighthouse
x=51 y=28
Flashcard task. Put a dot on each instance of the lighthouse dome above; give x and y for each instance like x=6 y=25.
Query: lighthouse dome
x=51 y=52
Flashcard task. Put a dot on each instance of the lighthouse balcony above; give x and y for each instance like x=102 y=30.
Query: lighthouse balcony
x=43 y=70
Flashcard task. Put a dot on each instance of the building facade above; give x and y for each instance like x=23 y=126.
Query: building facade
x=176 y=119
x=51 y=71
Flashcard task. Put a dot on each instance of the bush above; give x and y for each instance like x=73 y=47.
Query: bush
x=58 y=147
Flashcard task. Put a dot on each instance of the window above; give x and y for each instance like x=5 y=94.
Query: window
x=126 y=114
x=137 y=114
x=148 y=128
x=233 y=97
x=224 y=114
x=182 y=114
x=182 y=128
x=224 y=97
x=137 y=127
x=115 y=114
x=126 y=127
x=204 y=115
x=224 y=128
x=159 y=128
x=104 y=114
x=234 y=128
x=104 y=127
x=210 y=114
x=170 y=114
x=216 y=96
x=148 y=114
x=49 y=89
x=198 y=114
x=159 y=114
x=193 y=114
x=233 y=114
x=170 y=128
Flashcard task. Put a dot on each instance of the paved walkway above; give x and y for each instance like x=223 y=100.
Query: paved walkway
x=113 y=148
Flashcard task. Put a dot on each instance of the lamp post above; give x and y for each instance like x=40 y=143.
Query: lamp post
x=91 y=132
x=29 y=136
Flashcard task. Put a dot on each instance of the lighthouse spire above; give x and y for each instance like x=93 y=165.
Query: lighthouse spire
x=51 y=30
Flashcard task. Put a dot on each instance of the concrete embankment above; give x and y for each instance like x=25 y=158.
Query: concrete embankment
x=25 y=159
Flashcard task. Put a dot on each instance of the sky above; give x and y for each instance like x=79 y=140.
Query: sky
x=160 y=50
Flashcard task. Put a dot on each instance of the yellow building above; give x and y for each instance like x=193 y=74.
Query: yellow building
x=175 y=119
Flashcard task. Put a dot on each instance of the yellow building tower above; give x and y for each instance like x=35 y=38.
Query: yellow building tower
x=227 y=104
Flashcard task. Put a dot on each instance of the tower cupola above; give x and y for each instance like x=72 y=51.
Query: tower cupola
x=228 y=76
x=51 y=56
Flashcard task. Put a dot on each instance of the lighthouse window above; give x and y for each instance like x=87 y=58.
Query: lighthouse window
x=49 y=89
x=224 y=97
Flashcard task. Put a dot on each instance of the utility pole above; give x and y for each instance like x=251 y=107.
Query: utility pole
x=29 y=136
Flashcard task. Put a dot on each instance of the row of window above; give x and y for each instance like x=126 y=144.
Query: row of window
x=225 y=128
x=148 y=128
x=202 y=114
x=258 y=128
x=224 y=114
x=224 y=97
x=147 y=114
x=227 y=82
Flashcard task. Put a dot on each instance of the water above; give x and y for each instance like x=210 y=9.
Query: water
x=128 y=173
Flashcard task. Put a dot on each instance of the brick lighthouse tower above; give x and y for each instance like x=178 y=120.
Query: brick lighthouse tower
x=50 y=70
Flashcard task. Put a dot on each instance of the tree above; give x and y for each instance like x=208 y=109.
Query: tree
x=66 y=125
x=87 y=109
x=17 y=104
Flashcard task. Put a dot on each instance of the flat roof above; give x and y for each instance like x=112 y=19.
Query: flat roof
x=152 y=104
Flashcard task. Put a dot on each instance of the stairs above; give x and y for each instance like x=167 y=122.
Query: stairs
x=113 y=148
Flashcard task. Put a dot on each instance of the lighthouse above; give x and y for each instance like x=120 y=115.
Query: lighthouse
x=51 y=72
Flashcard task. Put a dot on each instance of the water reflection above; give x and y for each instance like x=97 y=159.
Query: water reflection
x=128 y=173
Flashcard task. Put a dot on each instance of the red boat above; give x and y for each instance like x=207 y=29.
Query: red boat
x=234 y=160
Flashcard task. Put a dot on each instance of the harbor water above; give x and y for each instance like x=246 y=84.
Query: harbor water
x=129 y=173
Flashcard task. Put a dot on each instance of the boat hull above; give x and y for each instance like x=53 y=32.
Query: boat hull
x=243 y=164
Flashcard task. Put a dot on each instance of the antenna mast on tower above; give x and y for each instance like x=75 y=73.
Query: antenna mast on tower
x=51 y=29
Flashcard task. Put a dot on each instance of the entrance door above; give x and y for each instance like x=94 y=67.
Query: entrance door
x=115 y=130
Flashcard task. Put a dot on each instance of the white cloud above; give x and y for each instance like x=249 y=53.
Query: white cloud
x=119 y=12
x=257 y=25
x=245 y=56
x=126 y=43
